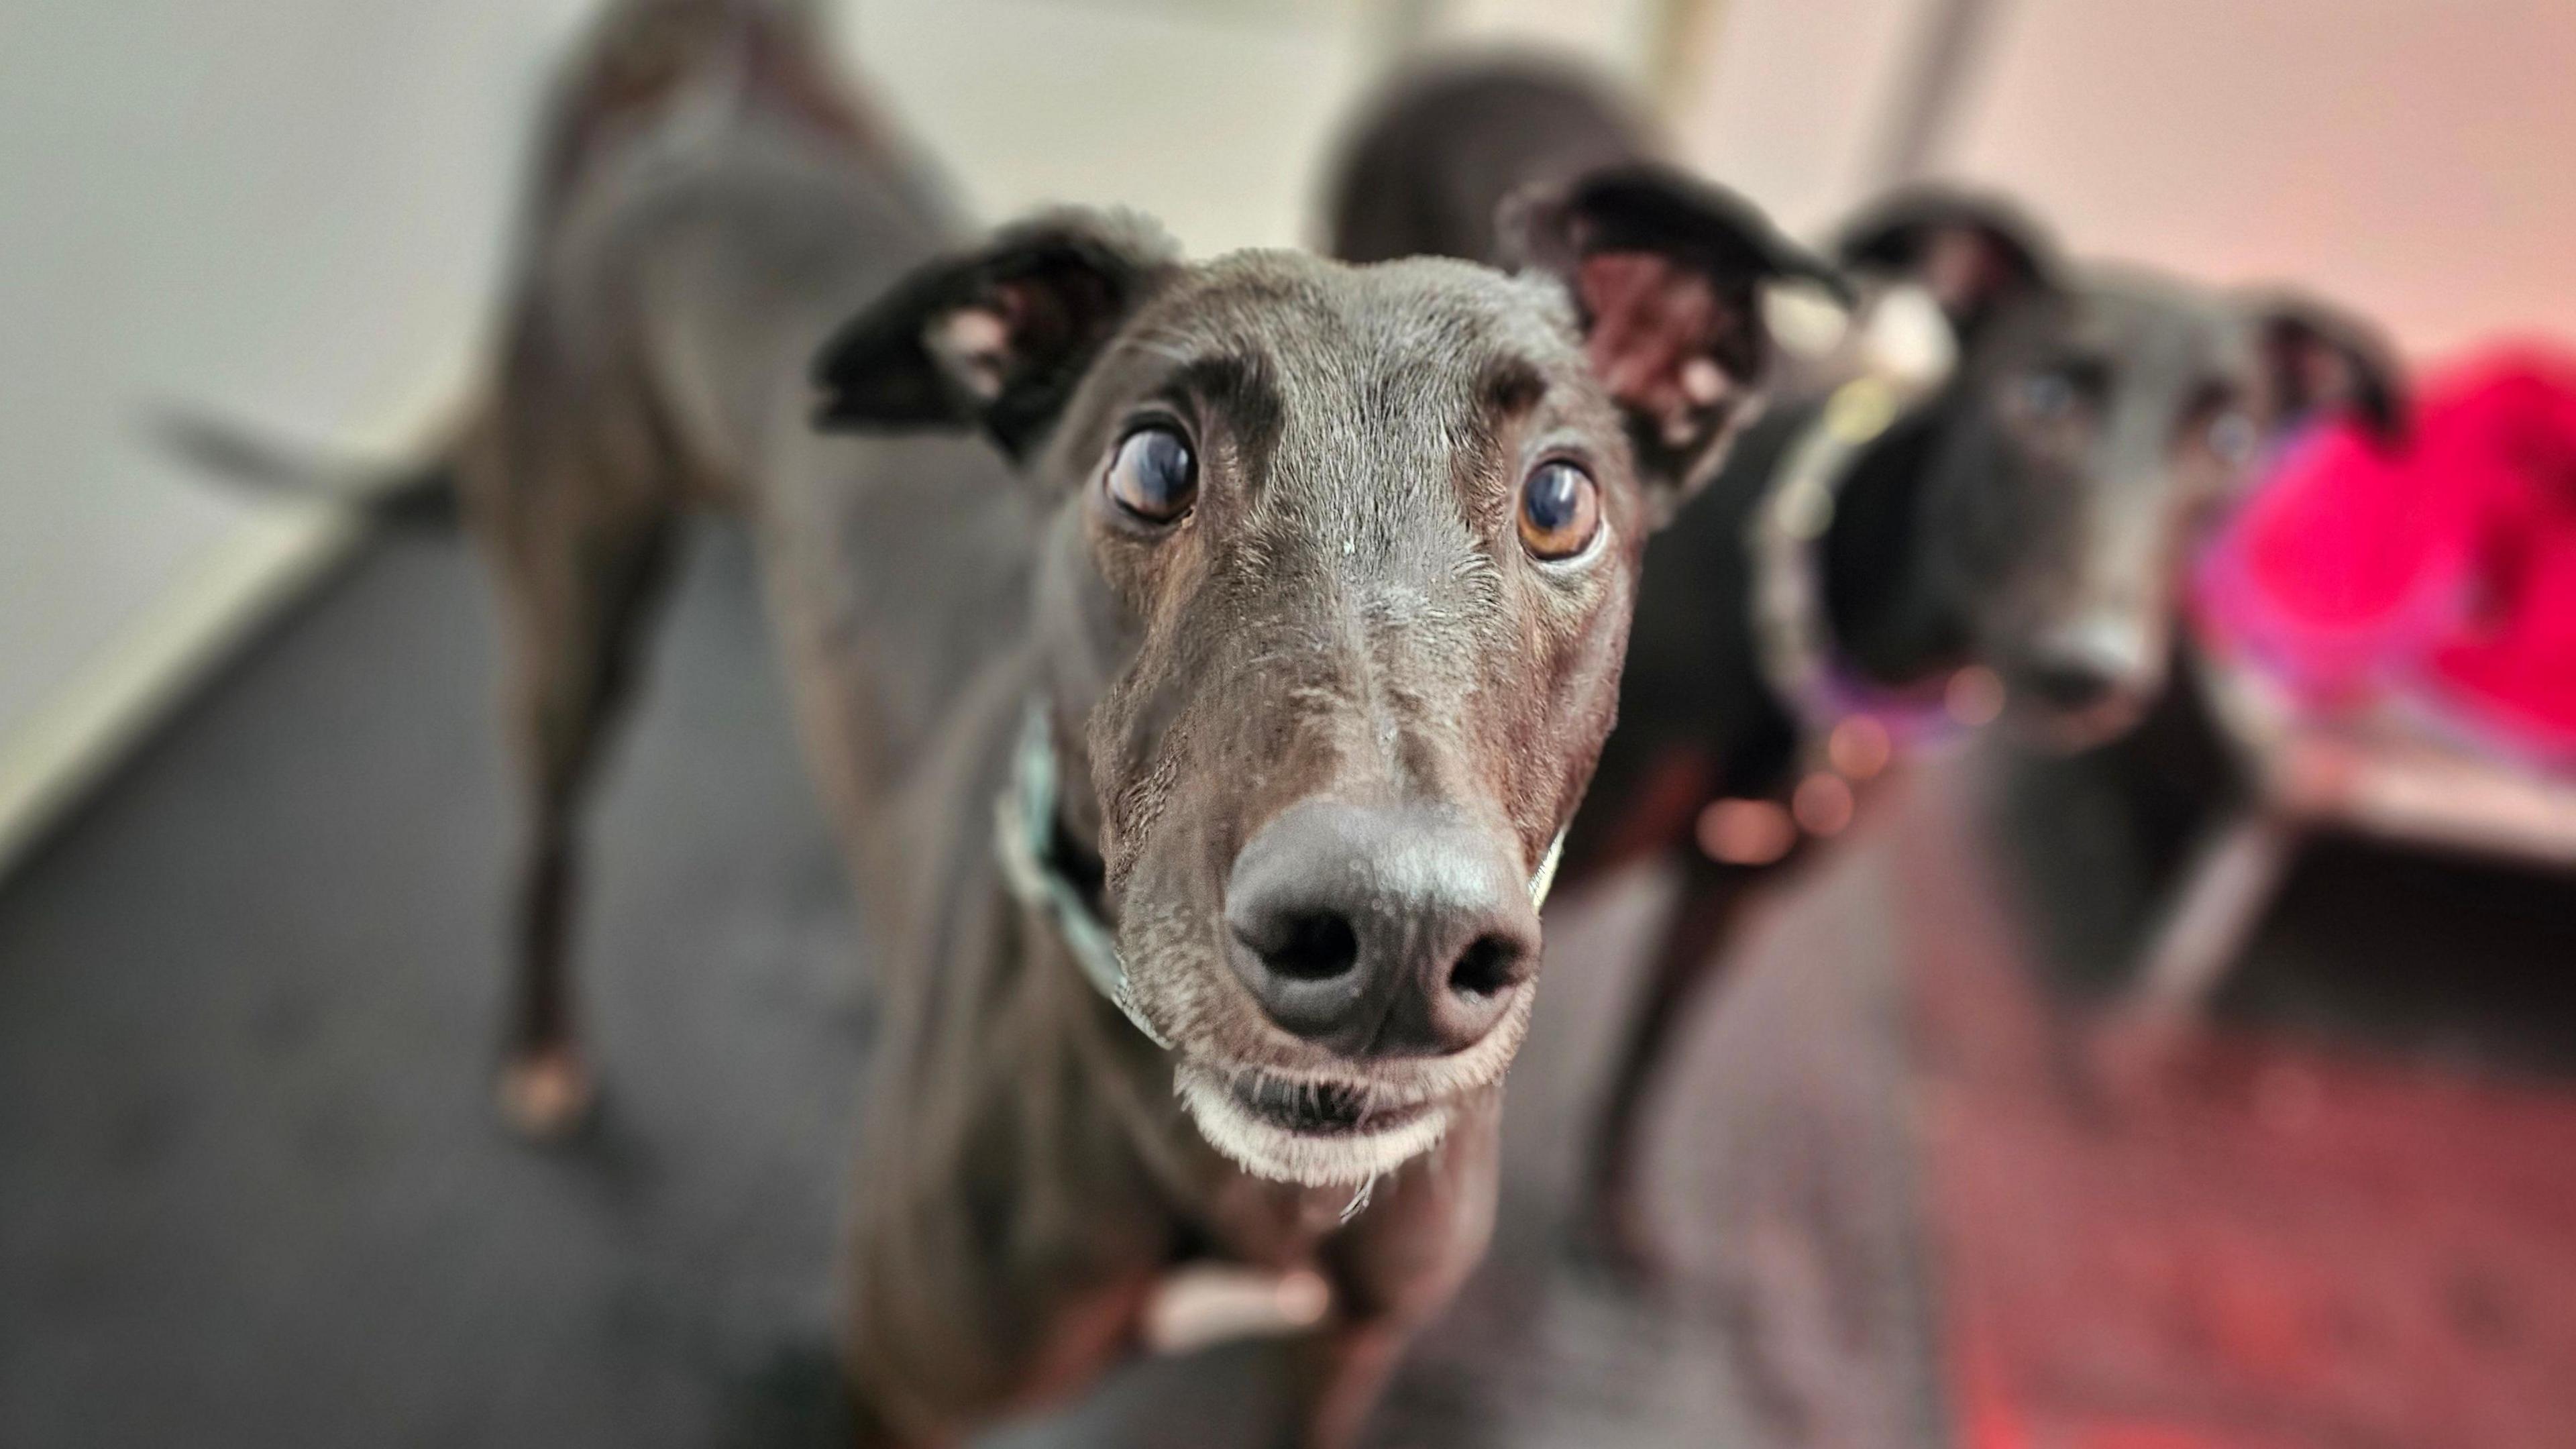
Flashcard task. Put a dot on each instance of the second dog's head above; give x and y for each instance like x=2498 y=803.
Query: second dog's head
x=1333 y=611
x=2096 y=413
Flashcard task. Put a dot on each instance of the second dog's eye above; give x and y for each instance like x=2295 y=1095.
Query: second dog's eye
x=2045 y=397
x=1154 y=475
x=1560 y=511
x=2232 y=437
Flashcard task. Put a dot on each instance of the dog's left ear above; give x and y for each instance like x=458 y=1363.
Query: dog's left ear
x=2313 y=359
x=997 y=338
x=1666 y=275
x=1974 y=252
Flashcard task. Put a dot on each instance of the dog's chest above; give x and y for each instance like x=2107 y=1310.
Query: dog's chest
x=1272 y=1225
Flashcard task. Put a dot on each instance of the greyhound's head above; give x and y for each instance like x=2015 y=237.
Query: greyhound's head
x=1332 y=613
x=2094 y=415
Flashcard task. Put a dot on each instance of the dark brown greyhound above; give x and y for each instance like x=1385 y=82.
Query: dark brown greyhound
x=2021 y=516
x=1200 y=773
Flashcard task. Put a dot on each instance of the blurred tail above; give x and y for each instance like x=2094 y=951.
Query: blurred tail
x=640 y=63
x=416 y=492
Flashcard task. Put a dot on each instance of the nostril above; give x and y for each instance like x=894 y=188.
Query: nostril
x=1488 y=966
x=1379 y=933
x=2068 y=686
x=1317 y=946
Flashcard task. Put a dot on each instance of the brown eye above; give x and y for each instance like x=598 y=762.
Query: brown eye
x=1154 y=475
x=1560 y=511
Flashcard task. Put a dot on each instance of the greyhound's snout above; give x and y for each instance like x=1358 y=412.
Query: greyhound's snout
x=2092 y=668
x=2069 y=684
x=1379 y=932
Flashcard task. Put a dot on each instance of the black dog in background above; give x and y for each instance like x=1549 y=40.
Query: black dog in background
x=2003 y=534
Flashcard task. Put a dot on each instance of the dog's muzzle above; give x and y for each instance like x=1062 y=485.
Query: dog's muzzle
x=1289 y=1128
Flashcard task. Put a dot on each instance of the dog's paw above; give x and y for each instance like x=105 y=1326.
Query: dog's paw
x=547 y=1094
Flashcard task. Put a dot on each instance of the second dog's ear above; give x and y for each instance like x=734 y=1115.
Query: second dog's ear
x=997 y=338
x=2314 y=359
x=1971 y=252
x=1666 y=274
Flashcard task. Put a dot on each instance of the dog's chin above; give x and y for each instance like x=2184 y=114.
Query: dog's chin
x=1309 y=1135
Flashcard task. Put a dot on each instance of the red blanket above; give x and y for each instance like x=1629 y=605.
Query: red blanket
x=2441 y=574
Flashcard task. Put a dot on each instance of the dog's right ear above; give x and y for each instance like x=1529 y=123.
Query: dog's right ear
x=997 y=338
x=1972 y=252
x=1665 y=273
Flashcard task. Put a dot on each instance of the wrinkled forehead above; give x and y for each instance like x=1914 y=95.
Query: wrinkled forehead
x=1309 y=346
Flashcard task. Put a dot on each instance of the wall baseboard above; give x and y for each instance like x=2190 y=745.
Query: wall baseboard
x=72 y=743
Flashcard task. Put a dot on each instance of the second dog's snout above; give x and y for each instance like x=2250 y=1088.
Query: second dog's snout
x=2084 y=667
x=2068 y=686
x=1379 y=932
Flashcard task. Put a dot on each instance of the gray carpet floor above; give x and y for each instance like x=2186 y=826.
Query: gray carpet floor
x=251 y=1191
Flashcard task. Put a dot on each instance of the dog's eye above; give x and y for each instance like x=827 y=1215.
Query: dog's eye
x=2231 y=438
x=2045 y=396
x=1154 y=475
x=1560 y=511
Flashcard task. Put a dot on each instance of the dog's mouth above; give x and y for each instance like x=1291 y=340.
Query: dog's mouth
x=1321 y=1109
x=1288 y=1110
x=1314 y=1132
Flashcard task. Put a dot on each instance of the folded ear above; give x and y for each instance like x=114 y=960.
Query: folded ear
x=997 y=338
x=2313 y=359
x=1972 y=252
x=1665 y=272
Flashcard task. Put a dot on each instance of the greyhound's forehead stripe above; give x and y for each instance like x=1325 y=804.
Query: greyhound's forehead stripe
x=1317 y=305
x=1513 y=385
x=1347 y=347
x=1237 y=383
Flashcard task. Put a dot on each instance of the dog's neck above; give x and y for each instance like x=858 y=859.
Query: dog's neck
x=1893 y=623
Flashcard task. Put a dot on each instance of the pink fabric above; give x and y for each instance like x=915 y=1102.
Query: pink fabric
x=2443 y=572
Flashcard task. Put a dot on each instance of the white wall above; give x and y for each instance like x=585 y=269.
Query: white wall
x=286 y=207
x=293 y=211
x=1789 y=102
x=2413 y=158
x=1209 y=115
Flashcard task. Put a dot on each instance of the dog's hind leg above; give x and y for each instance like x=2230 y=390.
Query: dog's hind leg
x=582 y=550
x=1612 y=1225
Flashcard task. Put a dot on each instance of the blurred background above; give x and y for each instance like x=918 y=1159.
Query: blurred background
x=298 y=211
x=253 y=821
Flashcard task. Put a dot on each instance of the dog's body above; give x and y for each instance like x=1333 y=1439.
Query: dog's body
x=696 y=235
x=1029 y=1176
x=1311 y=589
x=2022 y=513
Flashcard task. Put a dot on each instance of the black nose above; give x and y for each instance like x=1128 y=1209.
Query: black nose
x=1380 y=932
x=2068 y=686
x=2083 y=666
